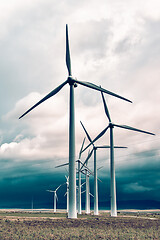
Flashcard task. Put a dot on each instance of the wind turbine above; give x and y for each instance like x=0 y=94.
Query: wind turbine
x=95 y=168
x=67 y=192
x=72 y=213
x=112 y=165
x=55 y=196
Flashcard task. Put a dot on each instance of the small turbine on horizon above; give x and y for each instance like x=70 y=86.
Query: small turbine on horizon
x=55 y=197
x=72 y=213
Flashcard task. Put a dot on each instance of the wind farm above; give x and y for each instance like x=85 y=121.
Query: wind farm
x=73 y=83
x=109 y=47
x=74 y=198
x=71 y=203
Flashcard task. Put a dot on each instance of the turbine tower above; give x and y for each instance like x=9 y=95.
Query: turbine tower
x=87 y=191
x=79 y=179
x=72 y=213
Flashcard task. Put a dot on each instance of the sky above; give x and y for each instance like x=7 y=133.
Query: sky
x=113 y=43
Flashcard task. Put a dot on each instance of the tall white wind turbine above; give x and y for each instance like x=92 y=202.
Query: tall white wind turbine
x=112 y=165
x=72 y=213
x=55 y=198
x=95 y=168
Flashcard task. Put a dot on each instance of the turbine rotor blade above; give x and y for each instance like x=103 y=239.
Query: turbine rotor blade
x=105 y=107
x=119 y=147
x=89 y=155
x=105 y=146
x=68 y=59
x=99 y=135
x=86 y=132
x=58 y=187
x=83 y=192
x=109 y=146
x=49 y=191
x=88 y=170
x=99 y=168
x=95 y=87
x=80 y=161
x=99 y=180
x=91 y=195
x=80 y=153
x=62 y=165
x=133 y=129
x=82 y=184
x=65 y=194
x=56 y=90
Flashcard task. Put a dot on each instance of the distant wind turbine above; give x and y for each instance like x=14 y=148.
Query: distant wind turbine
x=112 y=165
x=72 y=213
x=55 y=196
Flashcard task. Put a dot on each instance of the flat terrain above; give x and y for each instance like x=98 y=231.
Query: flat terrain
x=18 y=224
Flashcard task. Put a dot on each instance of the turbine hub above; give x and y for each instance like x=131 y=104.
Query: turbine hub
x=111 y=125
x=94 y=147
x=71 y=81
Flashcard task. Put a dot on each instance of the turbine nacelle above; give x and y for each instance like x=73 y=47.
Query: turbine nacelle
x=111 y=125
x=71 y=81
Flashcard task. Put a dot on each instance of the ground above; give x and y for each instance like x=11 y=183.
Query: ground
x=42 y=224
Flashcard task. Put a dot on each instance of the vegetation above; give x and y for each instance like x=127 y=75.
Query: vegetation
x=57 y=226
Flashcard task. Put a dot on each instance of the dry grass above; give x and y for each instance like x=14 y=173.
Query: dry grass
x=57 y=226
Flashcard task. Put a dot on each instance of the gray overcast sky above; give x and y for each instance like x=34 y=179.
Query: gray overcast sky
x=113 y=43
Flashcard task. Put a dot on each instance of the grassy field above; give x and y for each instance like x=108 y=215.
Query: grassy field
x=48 y=225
